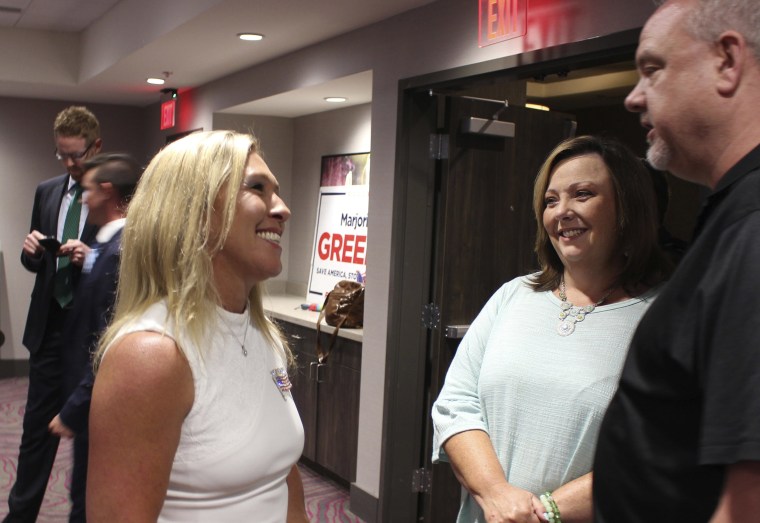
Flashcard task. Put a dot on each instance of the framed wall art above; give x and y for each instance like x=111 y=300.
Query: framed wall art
x=345 y=169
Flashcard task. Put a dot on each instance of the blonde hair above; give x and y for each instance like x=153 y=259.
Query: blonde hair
x=179 y=218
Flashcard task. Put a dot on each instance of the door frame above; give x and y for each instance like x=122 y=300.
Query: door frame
x=412 y=257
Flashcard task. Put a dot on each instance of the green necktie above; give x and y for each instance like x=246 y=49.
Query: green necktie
x=63 y=289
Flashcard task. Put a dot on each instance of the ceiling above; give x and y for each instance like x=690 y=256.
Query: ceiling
x=52 y=15
x=104 y=50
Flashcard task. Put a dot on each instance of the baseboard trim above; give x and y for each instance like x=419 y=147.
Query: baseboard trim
x=363 y=504
x=14 y=368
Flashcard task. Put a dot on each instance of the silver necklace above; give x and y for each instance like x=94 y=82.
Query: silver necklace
x=569 y=314
x=245 y=333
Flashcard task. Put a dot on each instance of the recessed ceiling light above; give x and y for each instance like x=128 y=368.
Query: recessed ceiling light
x=156 y=81
x=335 y=99
x=250 y=36
x=538 y=107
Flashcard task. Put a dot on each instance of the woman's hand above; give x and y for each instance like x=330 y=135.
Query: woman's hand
x=507 y=504
x=477 y=468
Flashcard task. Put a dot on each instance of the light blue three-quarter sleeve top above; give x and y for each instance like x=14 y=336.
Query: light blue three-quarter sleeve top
x=539 y=396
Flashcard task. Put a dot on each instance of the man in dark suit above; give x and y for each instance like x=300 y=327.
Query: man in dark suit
x=109 y=182
x=57 y=215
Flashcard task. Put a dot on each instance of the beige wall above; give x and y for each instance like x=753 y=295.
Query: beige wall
x=341 y=131
x=26 y=159
x=275 y=135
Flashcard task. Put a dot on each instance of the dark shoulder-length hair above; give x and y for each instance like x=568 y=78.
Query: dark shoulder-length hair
x=636 y=214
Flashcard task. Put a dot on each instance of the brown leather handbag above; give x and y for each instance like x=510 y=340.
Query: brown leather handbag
x=343 y=307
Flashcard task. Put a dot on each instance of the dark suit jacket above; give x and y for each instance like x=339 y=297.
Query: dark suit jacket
x=47 y=205
x=93 y=308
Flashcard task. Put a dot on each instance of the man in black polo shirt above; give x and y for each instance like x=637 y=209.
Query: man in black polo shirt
x=681 y=438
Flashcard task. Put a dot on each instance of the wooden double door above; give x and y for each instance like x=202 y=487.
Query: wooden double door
x=483 y=231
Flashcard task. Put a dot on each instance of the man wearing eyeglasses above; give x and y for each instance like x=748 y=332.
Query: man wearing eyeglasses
x=55 y=250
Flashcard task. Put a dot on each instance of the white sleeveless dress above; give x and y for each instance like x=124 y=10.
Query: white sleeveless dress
x=243 y=433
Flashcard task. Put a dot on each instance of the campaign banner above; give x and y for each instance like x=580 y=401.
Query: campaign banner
x=340 y=239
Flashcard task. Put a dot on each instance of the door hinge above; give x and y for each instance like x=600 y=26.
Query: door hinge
x=439 y=146
x=421 y=480
x=431 y=316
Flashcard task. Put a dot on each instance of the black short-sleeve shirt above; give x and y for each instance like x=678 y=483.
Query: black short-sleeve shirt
x=689 y=396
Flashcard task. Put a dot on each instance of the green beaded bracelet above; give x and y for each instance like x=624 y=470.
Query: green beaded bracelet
x=552 y=511
x=548 y=507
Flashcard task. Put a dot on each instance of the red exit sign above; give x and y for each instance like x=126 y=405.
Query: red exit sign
x=167 y=114
x=500 y=20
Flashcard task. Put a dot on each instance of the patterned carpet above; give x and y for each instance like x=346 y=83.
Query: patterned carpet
x=55 y=508
x=326 y=502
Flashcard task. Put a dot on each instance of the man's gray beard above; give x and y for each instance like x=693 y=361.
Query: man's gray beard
x=658 y=154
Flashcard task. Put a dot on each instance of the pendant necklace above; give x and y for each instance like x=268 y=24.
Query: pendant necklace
x=569 y=314
x=245 y=333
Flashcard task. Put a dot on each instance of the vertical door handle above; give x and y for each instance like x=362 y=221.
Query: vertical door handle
x=316 y=373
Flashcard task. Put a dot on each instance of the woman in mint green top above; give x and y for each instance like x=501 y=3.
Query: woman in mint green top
x=519 y=413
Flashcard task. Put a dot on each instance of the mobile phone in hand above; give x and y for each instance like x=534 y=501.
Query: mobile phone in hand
x=50 y=243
